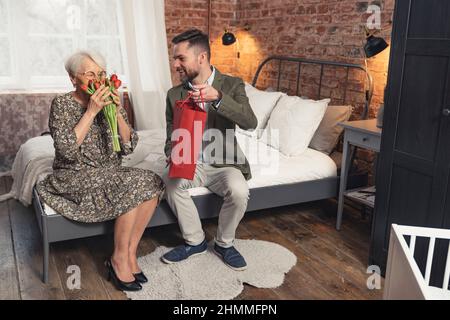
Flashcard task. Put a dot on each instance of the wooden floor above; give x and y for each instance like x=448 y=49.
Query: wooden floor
x=330 y=264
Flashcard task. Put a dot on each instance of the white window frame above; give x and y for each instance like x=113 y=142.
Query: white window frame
x=20 y=80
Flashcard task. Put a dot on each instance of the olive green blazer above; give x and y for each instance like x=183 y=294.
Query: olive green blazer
x=234 y=109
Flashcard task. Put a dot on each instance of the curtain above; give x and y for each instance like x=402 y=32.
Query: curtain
x=146 y=60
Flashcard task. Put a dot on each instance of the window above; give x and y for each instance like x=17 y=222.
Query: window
x=36 y=36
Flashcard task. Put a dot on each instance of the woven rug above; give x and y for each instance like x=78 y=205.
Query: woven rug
x=206 y=277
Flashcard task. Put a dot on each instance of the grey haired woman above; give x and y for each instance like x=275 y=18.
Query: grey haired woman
x=88 y=183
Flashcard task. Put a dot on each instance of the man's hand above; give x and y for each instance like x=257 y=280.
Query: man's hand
x=208 y=93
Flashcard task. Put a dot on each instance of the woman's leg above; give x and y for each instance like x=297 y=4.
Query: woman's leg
x=122 y=234
x=144 y=214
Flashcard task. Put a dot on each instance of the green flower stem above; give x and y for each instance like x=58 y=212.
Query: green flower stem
x=110 y=113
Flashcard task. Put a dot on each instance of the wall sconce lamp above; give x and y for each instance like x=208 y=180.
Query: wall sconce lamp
x=229 y=38
x=374 y=45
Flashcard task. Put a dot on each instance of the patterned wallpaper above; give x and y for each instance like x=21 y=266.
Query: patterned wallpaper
x=22 y=116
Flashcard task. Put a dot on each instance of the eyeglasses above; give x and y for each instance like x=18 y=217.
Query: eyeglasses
x=91 y=75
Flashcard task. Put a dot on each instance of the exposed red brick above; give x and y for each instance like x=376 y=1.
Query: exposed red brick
x=328 y=30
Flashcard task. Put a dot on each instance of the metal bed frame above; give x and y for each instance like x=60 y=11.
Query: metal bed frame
x=55 y=228
x=322 y=64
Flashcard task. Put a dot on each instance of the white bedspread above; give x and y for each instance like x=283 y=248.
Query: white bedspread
x=269 y=167
x=33 y=162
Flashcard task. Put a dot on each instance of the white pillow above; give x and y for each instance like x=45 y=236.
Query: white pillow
x=292 y=124
x=262 y=104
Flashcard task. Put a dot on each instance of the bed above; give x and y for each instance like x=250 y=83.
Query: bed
x=310 y=176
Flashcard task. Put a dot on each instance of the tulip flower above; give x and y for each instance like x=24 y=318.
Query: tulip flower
x=91 y=85
x=87 y=89
x=110 y=111
x=117 y=84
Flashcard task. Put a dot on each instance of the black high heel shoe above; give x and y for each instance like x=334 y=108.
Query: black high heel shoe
x=119 y=284
x=140 y=277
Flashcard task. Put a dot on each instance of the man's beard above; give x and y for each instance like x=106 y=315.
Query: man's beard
x=188 y=76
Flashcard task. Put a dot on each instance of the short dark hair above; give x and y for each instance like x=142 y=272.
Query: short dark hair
x=195 y=38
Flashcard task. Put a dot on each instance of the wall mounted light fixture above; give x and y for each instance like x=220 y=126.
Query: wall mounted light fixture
x=374 y=45
x=229 y=38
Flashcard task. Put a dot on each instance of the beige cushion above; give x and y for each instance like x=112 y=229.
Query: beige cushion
x=327 y=134
x=336 y=156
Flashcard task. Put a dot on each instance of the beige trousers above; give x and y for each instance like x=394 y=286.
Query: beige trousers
x=229 y=183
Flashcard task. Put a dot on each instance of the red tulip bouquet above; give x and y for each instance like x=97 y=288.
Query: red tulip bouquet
x=110 y=110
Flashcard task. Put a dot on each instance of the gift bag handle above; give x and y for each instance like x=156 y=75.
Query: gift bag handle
x=202 y=100
x=186 y=100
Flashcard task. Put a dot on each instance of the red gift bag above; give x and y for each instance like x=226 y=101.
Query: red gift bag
x=190 y=119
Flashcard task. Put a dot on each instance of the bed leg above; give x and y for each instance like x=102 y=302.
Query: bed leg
x=45 y=265
x=46 y=249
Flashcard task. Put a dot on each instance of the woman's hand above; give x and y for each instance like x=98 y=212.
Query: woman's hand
x=116 y=99
x=99 y=100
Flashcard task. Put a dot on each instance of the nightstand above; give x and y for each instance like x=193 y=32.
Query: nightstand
x=363 y=134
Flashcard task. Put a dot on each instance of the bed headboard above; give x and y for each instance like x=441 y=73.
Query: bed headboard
x=340 y=85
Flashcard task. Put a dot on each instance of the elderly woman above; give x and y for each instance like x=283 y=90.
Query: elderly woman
x=88 y=183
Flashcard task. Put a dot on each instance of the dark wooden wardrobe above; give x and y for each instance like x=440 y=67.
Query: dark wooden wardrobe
x=413 y=172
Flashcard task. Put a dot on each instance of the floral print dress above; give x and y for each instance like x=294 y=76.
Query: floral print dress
x=88 y=183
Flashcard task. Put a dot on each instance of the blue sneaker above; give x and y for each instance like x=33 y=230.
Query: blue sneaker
x=231 y=257
x=183 y=252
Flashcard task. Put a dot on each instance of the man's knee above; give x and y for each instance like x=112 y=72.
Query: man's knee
x=237 y=191
x=174 y=185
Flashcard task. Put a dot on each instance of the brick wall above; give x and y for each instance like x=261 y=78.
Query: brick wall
x=184 y=14
x=330 y=30
x=327 y=30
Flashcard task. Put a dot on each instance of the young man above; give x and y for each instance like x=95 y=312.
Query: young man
x=227 y=105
